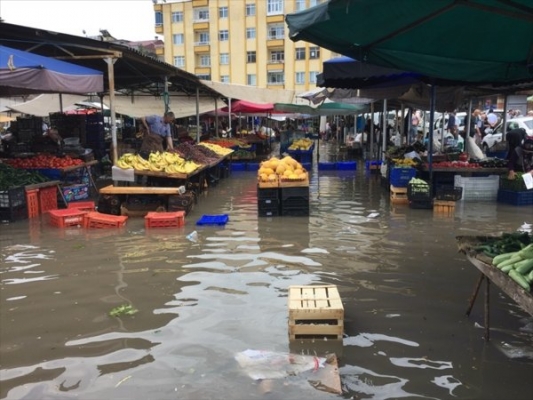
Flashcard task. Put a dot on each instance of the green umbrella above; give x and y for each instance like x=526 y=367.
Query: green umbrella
x=478 y=41
x=326 y=108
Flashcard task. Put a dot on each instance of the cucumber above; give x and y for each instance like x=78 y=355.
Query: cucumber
x=507 y=268
x=530 y=277
x=523 y=267
x=502 y=257
x=513 y=260
x=518 y=278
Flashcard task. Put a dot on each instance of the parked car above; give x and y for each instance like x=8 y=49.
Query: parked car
x=460 y=120
x=494 y=137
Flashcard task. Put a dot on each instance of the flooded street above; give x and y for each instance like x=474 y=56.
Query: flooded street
x=404 y=287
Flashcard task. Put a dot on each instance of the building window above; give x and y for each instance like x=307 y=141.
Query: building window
x=201 y=15
x=250 y=57
x=274 y=7
x=205 y=77
x=224 y=58
x=275 y=78
x=177 y=38
x=203 y=38
x=158 y=18
x=250 y=10
x=250 y=33
x=223 y=12
x=223 y=36
x=300 y=78
x=277 y=56
x=224 y=78
x=300 y=53
x=179 y=61
x=276 y=31
x=312 y=76
x=251 y=80
x=300 y=5
x=177 y=16
x=313 y=3
x=314 y=52
x=205 y=60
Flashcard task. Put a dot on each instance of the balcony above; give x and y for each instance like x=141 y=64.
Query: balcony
x=201 y=47
x=160 y=51
x=275 y=42
x=275 y=18
x=200 y=3
x=158 y=28
x=202 y=71
x=201 y=25
x=275 y=66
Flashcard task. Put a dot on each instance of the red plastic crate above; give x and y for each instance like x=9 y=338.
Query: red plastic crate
x=64 y=218
x=82 y=205
x=32 y=201
x=164 y=219
x=48 y=199
x=96 y=220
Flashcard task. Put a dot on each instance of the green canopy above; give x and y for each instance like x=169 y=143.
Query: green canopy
x=478 y=41
x=326 y=108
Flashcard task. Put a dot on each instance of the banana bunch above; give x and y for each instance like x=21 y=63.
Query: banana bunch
x=170 y=163
x=404 y=162
x=301 y=144
x=134 y=161
x=221 y=151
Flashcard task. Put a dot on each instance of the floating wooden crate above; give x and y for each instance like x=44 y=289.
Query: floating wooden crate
x=315 y=311
x=443 y=207
x=398 y=195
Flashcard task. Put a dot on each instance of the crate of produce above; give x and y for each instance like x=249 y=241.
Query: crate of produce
x=82 y=205
x=398 y=195
x=48 y=199
x=306 y=157
x=514 y=198
x=478 y=188
x=347 y=165
x=96 y=220
x=444 y=207
x=373 y=165
x=75 y=192
x=268 y=193
x=400 y=177
x=418 y=190
x=13 y=206
x=268 y=207
x=290 y=192
x=268 y=184
x=32 y=202
x=300 y=182
x=315 y=311
x=221 y=219
x=327 y=166
x=164 y=219
x=307 y=166
x=65 y=218
x=51 y=173
x=516 y=185
x=449 y=193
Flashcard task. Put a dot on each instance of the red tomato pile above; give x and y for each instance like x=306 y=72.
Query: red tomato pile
x=44 y=161
x=455 y=164
x=223 y=143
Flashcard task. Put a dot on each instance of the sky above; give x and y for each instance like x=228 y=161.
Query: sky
x=127 y=19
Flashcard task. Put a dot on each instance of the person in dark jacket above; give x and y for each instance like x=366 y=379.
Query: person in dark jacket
x=514 y=137
x=521 y=159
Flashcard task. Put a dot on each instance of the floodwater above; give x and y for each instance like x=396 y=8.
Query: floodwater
x=404 y=287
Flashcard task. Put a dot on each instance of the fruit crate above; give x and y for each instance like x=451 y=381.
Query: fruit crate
x=164 y=219
x=398 y=195
x=238 y=166
x=515 y=185
x=32 y=201
x=82 y=205
x=347 y=165
x=449 y=193
x=294 y=211
x=221 y=219
x=48 y=199
x=268 y=184
x=252 y=166
x=13 y=206
x=444 y=207
x=372 y=165
x=400 y=177
x=66 y=217
x=478 y=188
x=315 y=311
x=327 y=166
x=289 y=192
x=284 y=182
x=268 y=208
x=514 y=198
x=96 y=220
x=418 y=192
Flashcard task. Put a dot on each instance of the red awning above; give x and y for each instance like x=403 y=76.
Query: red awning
x=242 y=106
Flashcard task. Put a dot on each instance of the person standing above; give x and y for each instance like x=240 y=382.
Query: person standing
x=158 y=129
x=514 y=137
x=413 y=131
x=521 y=159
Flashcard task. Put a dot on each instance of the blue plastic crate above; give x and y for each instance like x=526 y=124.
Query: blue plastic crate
x=308 y=166
x=515 y=198
x=327 y=166
x=221 y=219
x=347 y=165
x=306 y=157
x=400 y=177
x=238 y=166
x=374 y=164
x=50 y=173
x=252 y=166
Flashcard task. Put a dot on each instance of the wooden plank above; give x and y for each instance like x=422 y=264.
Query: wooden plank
x=316 y=313
x=137 y=190
x=316 y=329
x=42 y=185
x=75 y=167
x=507 y=285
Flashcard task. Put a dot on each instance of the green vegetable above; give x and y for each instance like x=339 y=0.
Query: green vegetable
x=125 y=309
x=523 y=267
x=526 y=252
x=530 y=277
x=502 y=257
x=518 y=278
x=507 y=268
x=513 y=260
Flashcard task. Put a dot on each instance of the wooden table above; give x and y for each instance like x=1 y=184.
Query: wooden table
x=489 y=273
x=138 y=190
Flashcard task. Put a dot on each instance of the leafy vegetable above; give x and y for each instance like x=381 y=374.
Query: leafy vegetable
x=125 y=309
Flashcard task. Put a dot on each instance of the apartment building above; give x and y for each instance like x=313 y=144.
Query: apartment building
x=239 y=41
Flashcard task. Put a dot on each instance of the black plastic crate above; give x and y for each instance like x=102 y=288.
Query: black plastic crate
x=294 y=212
x=418 y=192
x=14 y=214
x=13 y=205
x=449 y=193
x=295 y=202
x=268 y=211
x=294 y=192
x=268 y=203
x=421 y=204
x=268 y=193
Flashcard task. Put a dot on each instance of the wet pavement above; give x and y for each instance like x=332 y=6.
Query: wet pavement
x=404 y=288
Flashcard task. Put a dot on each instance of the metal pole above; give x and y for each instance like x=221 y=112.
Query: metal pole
x=229 y=116
x=431 y=122
x=402 y=127
x=504 y=121
x=384 y=126
x=197 y=115
x=371 y=133
x=216 y=118
x=166 y=97
x=60 y=102
x=469 y=120
x=111 y=76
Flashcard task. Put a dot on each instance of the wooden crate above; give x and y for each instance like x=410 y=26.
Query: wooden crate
x=315 y=311
x=443 y=207
x=398 y=195
x=268 y=185
x=283 y=182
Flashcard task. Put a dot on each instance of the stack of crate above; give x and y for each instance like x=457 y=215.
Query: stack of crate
x=268 y=204
x=294 y=201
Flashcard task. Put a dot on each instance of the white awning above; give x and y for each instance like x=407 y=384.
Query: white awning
x=45 y=104
x=251 y=93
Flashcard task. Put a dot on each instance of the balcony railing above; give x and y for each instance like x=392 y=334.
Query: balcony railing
x=202 y=43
